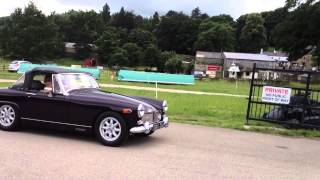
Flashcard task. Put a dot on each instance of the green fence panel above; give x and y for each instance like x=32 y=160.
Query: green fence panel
x=164 y=78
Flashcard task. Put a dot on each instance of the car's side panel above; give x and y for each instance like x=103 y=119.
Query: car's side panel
x=13 y=97
x=44 y=107
x=84 y=111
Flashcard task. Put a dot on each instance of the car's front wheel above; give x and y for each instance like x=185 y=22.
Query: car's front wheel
x=111 y=129
x=9 y=117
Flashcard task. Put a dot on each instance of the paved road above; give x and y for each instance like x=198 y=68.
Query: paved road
x=154 y=89
x=179 y=152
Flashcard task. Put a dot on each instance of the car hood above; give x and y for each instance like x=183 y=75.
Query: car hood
x=99 y=97
x=155 y=103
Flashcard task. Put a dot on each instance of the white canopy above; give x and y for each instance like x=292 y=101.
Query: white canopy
x=234 y=68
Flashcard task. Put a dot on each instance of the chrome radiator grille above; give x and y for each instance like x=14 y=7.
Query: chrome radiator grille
x=151 y=117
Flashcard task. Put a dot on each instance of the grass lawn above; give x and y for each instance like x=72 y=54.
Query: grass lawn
x=4 y=85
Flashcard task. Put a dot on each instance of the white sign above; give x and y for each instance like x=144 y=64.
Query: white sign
x=276 y=95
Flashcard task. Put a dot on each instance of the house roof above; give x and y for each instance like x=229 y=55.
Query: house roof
x=210 y=55
x=247 y=56
x=277 y=53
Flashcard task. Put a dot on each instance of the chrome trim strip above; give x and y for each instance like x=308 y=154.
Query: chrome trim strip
x=30 y=119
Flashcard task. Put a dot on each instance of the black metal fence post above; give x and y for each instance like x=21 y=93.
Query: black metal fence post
x=305 y=103
x=250 y=93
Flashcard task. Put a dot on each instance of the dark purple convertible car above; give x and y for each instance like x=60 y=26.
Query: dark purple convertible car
x=74 y=101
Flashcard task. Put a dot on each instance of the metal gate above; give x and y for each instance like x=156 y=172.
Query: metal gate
x=285 y=96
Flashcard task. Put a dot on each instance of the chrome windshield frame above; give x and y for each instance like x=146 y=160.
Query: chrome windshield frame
x=60 y=83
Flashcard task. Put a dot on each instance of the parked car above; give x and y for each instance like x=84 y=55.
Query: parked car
x=15 y=65
x=59 y=97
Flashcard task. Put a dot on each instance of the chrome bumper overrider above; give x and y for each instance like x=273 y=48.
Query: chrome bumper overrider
x=147 y=127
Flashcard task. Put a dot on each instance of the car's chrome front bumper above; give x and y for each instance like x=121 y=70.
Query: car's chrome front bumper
x=148 y=127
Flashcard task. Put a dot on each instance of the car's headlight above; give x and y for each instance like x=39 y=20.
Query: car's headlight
x=141 y=111
x=165 y=105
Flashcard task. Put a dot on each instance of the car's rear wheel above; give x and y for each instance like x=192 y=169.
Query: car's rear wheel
x=111 y=129
x=9 y=117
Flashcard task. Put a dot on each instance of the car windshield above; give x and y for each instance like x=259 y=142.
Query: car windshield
x=77 y=81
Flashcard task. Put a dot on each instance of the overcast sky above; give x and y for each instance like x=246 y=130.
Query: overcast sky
x=147 y=7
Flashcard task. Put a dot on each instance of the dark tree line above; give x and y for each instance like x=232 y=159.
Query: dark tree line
x=127 y=39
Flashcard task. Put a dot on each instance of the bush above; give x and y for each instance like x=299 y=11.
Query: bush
x=174 y=64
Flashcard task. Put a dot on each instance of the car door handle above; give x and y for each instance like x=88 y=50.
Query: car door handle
x=30 y=94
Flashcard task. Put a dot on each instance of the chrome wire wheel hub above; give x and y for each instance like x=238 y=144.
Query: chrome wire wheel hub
x=110 y=129
x=7 y=115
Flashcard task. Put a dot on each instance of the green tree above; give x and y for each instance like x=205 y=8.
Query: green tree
x=123 y=19
x=141 y=37
x=138 y=21
x=133 y=52
x=107 y=43
x=220 y=37
x=119 y=57
x=174 y=64
x=299 y=30
x=152 y=56
x=253 y=34
x=164 y=57
x=30 y=34
x=80 y=26
x=177 y=32
x=155 y=20
x=216 y=34
x=197 y=14
x=106 y=13
x=222 y=19
x=272 y=19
